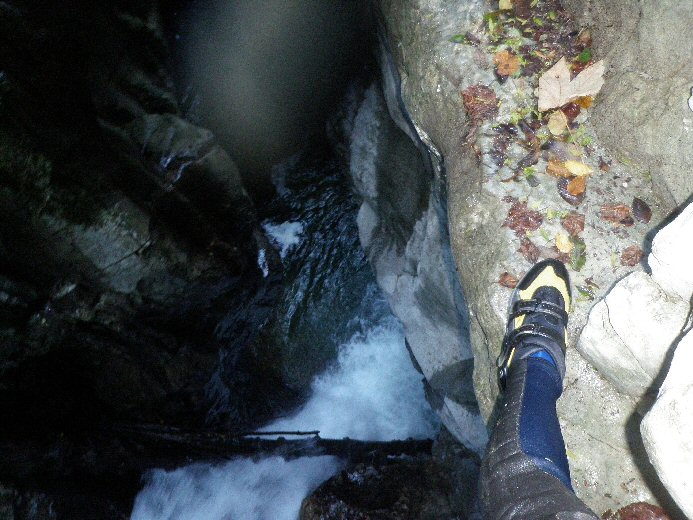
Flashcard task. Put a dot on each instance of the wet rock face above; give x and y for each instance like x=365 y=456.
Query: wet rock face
x=399 y=489
x=401 y=228
x=128 y=249
x=643 y=112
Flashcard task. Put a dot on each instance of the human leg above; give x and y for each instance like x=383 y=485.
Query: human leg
x=525 y=472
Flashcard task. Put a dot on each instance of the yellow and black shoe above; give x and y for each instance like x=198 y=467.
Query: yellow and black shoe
x=537 y=318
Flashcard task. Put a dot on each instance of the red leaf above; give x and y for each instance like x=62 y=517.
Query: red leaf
x=616 y=213
x=574 y=223
x=507 y=280
x=529 y=251
x=642 y=511
x=521 y=219
x=480 y=101
x=631 y=256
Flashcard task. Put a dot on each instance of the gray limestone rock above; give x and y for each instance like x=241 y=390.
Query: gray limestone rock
x=672 y=253
x=668 y=427
x=630 y=333
x=401 y=230
x=642 y=111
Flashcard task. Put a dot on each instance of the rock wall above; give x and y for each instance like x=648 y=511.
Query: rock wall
x=643 y=112
x=440 y=49
x=401 y=230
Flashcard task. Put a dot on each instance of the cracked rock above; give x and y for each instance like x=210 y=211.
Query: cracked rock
x=630 y=333
x=666 y=429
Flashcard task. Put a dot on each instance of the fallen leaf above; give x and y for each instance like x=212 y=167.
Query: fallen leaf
x=508 y=280
x=603 y=165
x=616 y=213
x=565 y=193
x=577 y=186
x=505 y=5
x=573 y=223
x=585 y=56
x=641 y=211
x=578 y=256
x=584 y=101
x=571 y=111
x=585 y=37
x=577 y=168
x=557 y=169
x=480 y=101
x=522 y=8
x=507 y=63
x=522 y=219
x=529 y=251
x=558 y=123
x=585 y=292
x=563 y=243
x=631 y=256
x=556 y=88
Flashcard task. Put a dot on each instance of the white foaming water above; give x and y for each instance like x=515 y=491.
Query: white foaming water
x=242 y=489
x=372 y=393
x=287 y=235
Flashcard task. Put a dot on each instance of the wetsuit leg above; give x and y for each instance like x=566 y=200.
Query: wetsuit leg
x=525 y=474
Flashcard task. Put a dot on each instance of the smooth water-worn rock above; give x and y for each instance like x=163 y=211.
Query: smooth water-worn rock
x=670 y=258
x=643 y=112
x=667 y=429
x=630 y=334
x=407 y=244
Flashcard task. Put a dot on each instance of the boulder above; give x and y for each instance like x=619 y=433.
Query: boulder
x=667 y=429
x=671 y=255
x=642 y=111
x=630 y=333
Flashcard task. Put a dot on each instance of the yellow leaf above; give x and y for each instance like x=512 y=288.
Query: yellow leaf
x=556 y=169
x=558 y=123
x=563 y=243
x=577 y=168
x=505 y=5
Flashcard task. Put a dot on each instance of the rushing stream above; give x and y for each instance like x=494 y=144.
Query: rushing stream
x=334 y=317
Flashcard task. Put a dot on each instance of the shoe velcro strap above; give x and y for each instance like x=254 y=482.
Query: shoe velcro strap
x=521 y=307
x=535 y=334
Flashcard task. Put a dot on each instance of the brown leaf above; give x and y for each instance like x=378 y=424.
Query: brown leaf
x=642 y=511
x=631 y=256
x=571 y=111
x=577 y=186
x=507 y=63
x=585 y=37
x=480 y=101
x=616 y=213
x=573 y=223
x=522 y=8
x=557 y=169
x=603 y=165
x=529 y=251
x=573 y=200
x=556 y=88
x=522 y=219
x=508 y=280
x=641 y=211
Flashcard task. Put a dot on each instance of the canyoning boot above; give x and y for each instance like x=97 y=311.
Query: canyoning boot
x=537 y=318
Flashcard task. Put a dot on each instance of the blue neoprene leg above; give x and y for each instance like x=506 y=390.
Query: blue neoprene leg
x=540 y=432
